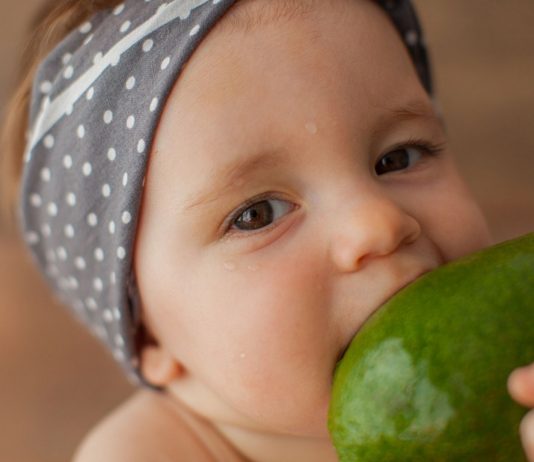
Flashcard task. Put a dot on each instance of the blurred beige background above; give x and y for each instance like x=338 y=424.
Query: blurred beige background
x=56 y=380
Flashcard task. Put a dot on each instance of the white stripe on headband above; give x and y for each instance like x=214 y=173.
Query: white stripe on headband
x=52 y=111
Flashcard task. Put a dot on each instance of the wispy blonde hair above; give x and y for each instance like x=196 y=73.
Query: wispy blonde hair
x=54 y=21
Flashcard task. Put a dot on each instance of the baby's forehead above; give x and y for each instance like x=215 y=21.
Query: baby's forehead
x=248 y=14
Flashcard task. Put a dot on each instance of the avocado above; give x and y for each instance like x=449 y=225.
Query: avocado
x=425 y=378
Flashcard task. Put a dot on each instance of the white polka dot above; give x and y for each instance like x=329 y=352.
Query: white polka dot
x=141 y=145
x=154 y=104
x=411 y=37
x=108 y=117
x=46 y=230
x=36 y=200
x=148 y=44
x=113 y=278
x=118 y=9
x=62 y=253
x=130 y=122
x=73 y=283
x=116 y=313
x=67 y=161
x=99 y=254
x=100 y=331
x=126 y=217
x=165 y=63
x=91 y=304
x=92 y=220
x=98 y=284
x=216 y=1
x=52 y=209
x=69 y=72
x=97 y=57
x=80 y=131
x=49 y=141
x=125 y=26
x=118 y=355
x=106 y=190
x=88 y=39
x=130 y=83
x=32 y=237
x=112 y=154
x=69 y=231
x=86 y=27
x=90 y=94
x=71 y=199
x=121 y=253
x=111 y=227
x=125 y=179
x=107 y=315
x=66 y=58
x=46 y=87
x=80 y=263
x=87 y=169
x=194 y=30
x=45 y=174
x=119 y=340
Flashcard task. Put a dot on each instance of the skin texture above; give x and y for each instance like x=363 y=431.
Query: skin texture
x=248 y=325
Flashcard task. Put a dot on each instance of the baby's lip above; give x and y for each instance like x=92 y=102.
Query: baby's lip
x=401 y=286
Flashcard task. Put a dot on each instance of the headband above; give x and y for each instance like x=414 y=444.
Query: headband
x=96 y=102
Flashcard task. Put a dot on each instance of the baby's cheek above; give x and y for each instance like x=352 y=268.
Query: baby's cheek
x=280 y=343
x=454 y=221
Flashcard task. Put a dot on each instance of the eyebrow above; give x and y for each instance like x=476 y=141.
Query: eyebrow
x=416 y=109
x=228 y=177
x=223 y=180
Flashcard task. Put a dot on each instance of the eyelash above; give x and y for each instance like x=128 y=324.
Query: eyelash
x=427 y=148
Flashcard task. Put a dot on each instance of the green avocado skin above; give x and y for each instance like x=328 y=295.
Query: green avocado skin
x=425 y=377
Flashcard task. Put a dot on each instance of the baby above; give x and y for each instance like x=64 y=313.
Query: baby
x=314 y=116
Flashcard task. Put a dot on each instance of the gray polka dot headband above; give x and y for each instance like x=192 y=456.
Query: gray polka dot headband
x=96 y=102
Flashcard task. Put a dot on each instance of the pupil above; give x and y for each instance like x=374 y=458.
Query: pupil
x=396 y=160
x=257 y=216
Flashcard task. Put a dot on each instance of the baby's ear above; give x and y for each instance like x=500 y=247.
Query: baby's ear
x=158 y=366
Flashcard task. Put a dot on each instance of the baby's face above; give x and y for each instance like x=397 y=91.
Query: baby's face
x=255 y=277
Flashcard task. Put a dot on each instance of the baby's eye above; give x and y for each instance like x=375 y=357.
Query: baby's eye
x=259 y=214
x=403 y=157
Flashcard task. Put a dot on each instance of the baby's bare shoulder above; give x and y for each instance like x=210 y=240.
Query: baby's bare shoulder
x=140 y=430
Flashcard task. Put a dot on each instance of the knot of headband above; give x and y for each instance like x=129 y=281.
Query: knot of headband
x=95 y=106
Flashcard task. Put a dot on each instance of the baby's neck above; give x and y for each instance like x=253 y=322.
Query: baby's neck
x=265 y=447
x=242 y=444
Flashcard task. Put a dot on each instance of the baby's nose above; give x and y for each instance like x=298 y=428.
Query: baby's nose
x=370 y=228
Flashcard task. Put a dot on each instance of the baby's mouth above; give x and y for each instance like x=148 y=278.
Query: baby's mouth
x=386 y=299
